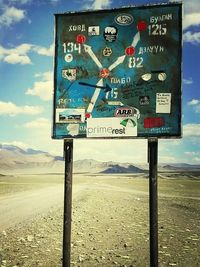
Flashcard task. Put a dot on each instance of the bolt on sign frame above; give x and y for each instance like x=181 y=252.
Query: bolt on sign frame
x=117 y=73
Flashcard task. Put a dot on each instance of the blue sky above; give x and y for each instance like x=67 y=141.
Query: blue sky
x=26 y=76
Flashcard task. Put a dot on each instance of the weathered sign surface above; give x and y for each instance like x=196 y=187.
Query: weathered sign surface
x=118 y=73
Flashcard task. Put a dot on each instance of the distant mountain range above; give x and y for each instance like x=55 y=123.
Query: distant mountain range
x=182 y=167
x=15 y=159
x=93 y=166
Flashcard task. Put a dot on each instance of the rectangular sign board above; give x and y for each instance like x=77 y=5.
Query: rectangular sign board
x=117 y=73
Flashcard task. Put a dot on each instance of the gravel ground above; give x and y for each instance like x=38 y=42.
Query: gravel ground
x=109 y=228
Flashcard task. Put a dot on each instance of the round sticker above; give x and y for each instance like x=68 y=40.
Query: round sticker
x=162 y=76
x=87 y=115
x=130 y=51
x=68 y=57
x=80 y=39
x=124 y=19
x=141 y=26
x=104 y=73
x=146 y=77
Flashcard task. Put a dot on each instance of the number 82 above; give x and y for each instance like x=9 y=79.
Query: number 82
x=135 y=62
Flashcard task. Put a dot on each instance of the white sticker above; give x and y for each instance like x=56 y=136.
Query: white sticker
x=93 y=30
x=163 y=102
x=73 y=129
x=68 y=57
x=115 y=103
x=69 y=74
x=70 y=115
x=111 y=127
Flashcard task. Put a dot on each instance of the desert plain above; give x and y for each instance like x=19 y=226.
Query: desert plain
x=110 y=220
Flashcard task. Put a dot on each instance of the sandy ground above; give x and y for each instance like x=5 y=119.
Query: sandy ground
x=110 y=225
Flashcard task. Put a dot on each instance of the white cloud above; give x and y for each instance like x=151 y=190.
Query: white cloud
x=98 y=4
x=164 y=143
x=42 y=88
x=197 y=108
x=39 y=123
x=191 y=153
x=10 y=109
x=192 y=37
x=11 y=15
x=44 y=75
x=188 y=81
x=111 y=150
x=19 y=54
x=167 y=159
x=17 y=59
x=192 y=6
x=44 y=51
x=191 y=130
x=194 y=102
x=38 y=136
x=193 y=156
x=21 y=49
x=192 y=13
x=197 y=159
x=16 y=55
x=196 y=105
x=192 y=19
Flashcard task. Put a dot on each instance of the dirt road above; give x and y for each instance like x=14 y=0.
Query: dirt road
x=19 y=207
x=110 y=222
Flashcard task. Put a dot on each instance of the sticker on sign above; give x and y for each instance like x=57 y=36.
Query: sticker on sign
x=163 y=102
x=112 y=127
x=70 y=115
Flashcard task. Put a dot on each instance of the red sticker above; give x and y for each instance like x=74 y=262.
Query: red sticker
x=104 y=73
x=141 y=26
x=87 y=115
x=153 y=122
x=130 y=51
x=80 y=39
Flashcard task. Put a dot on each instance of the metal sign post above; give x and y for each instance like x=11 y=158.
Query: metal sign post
x=153 y=200
x=68 y=154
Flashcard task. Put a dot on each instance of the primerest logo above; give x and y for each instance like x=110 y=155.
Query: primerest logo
x=111 y=127
x=104 y=131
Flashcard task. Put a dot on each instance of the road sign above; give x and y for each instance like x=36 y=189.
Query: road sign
x=118 y=73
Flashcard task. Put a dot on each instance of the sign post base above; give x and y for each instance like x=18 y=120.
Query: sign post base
x=68 y=155
x=153 y=200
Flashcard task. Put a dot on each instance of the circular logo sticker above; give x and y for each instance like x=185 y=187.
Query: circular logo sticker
x=124 y=19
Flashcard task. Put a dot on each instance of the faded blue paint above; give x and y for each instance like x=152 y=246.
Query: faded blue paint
x=168 y=61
